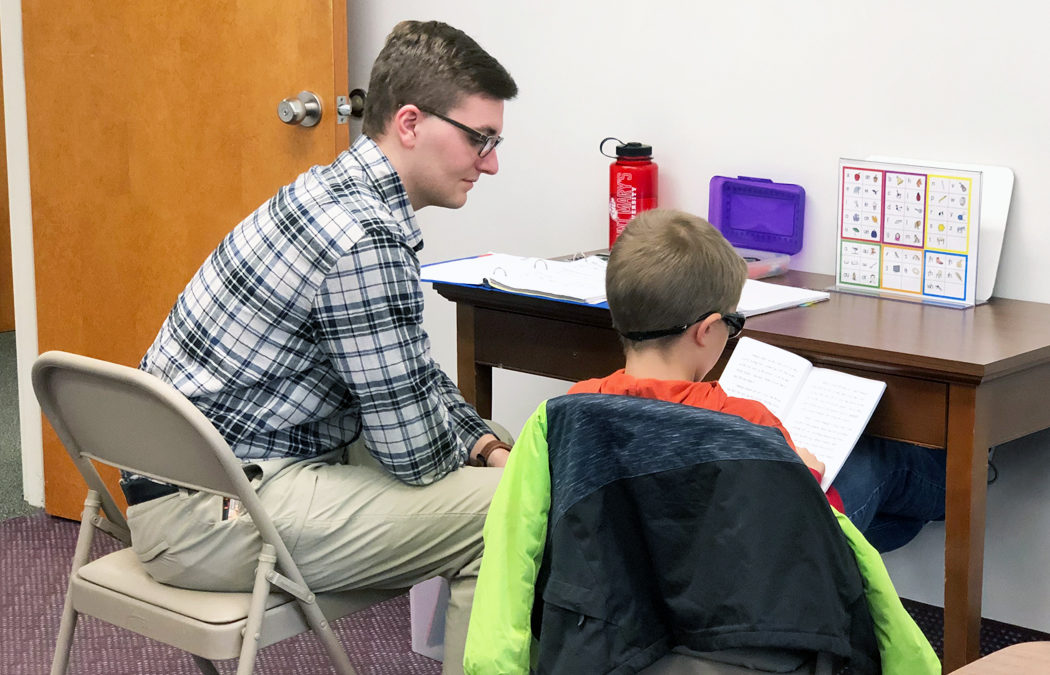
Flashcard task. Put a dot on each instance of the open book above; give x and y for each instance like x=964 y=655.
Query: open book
x=824 y=410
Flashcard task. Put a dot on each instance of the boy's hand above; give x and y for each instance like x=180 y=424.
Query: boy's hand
x=810 y=460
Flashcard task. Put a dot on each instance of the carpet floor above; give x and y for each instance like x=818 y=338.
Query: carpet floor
x=35 y=553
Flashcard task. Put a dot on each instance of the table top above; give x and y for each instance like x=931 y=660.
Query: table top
x=972 y=345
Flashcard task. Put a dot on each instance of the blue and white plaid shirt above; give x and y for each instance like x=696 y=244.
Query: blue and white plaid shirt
x=304 y=328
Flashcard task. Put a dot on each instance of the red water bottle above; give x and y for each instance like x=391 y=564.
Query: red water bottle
x=632 y=183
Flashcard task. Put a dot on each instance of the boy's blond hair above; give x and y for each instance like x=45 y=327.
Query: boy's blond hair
x=667 y=268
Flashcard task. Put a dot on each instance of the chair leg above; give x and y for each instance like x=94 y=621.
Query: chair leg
x=60 y=663
x=314 y=617
x=204 y=665
x=65 y=639
x=317 y=620
x=253 y=624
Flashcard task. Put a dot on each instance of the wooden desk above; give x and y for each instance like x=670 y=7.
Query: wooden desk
x=961 y=379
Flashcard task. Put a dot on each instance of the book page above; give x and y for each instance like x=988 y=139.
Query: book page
x=766 y=374
x=581 y=280
x=829 y=415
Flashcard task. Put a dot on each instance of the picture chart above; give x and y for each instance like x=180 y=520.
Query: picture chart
x=908 y=231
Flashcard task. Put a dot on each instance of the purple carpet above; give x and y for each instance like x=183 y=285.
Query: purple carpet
x=35 y=555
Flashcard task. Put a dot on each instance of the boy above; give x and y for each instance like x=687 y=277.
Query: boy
x=672 y=284
x=617 y=563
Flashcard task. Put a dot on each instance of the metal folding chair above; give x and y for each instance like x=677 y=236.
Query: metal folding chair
x=128 y=419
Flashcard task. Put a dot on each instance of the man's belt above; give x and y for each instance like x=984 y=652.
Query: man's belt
x=140 y=489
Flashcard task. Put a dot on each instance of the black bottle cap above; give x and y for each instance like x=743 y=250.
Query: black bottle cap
x=634 y=149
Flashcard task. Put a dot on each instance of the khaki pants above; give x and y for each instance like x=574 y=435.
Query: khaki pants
x=348 y=525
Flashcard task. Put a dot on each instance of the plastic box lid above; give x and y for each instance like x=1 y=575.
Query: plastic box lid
x=757 y=213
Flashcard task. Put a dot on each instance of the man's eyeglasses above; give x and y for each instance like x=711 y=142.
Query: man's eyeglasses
x=734 y=321
x=485 y=143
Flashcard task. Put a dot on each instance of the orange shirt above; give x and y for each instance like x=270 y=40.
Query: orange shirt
x=709 y=395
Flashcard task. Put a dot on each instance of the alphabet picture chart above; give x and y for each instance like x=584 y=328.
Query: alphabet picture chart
x=908 y=231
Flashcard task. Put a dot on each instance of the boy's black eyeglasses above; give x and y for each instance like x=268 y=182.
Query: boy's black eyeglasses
x=485 y=143
x=734 y=322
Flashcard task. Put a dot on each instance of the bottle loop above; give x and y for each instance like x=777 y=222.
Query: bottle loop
x=601 y=146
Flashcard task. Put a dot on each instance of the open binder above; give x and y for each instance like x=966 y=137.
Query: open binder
x=582 y=281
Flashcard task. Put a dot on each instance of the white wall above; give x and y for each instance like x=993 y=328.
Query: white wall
x=779 y=90
x=22 y=272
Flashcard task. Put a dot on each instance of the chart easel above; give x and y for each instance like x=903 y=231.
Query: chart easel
x=997 y=185
x=908 y=231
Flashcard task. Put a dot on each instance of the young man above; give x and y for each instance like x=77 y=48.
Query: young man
x=673 y=283
x=301 y=339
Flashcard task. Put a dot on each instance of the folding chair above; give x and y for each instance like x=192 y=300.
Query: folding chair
x=131 y=420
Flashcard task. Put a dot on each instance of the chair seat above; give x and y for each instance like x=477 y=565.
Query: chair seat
x=123 y=573
x=1024 y=657
x=116 y=588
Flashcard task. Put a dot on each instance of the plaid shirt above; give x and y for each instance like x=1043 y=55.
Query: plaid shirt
x=304 y=329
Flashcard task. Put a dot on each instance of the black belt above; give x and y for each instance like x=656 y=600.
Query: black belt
x=139 y=489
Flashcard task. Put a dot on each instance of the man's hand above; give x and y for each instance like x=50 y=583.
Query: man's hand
x=810 y=460
x=497 y=457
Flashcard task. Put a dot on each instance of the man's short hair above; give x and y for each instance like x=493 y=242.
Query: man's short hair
x=667 y=268
x=432 y=65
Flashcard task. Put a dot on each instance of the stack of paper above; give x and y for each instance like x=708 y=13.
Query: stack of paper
x=761 y=296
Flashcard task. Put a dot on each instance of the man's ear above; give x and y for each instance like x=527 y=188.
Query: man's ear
x=403 y=126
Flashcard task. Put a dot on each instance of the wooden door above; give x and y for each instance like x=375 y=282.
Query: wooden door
x=152 y=132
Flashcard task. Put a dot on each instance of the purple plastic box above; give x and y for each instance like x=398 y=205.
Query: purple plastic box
x=756 y=213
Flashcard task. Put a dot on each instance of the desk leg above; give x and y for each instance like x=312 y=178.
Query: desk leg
x=475 y=379
x=967 y=484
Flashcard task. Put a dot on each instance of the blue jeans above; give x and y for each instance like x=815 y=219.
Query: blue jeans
x=891 y=489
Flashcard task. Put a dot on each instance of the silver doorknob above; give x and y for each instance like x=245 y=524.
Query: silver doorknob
x=304 y=110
